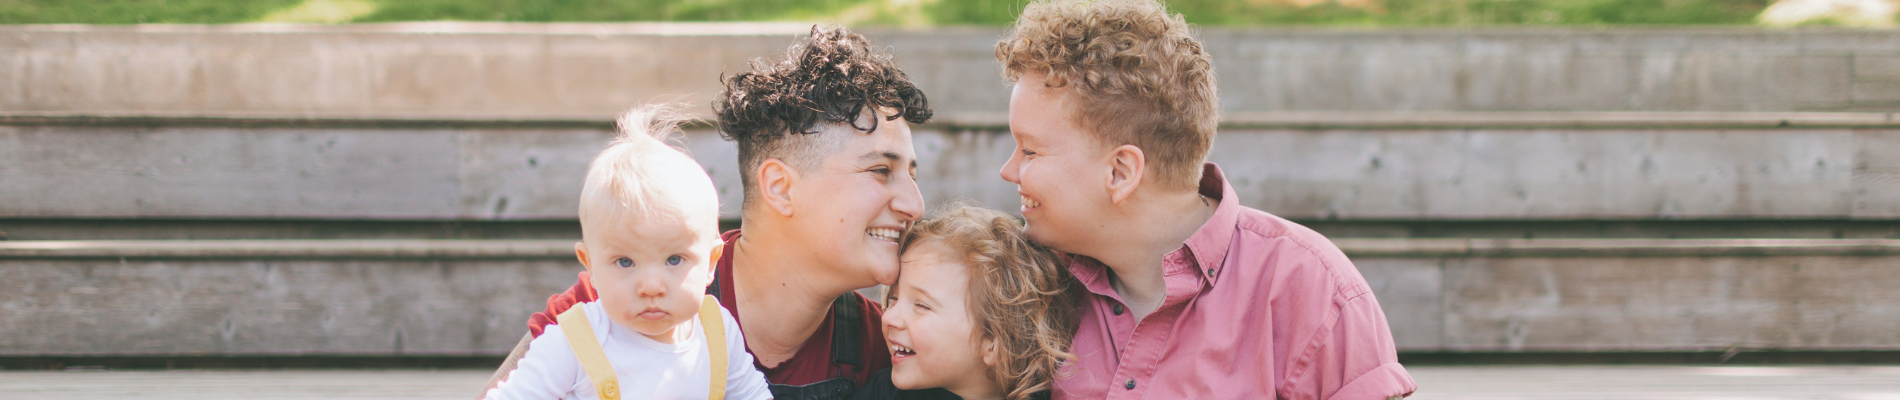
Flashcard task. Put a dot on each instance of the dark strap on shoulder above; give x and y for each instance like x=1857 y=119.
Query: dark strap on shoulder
x=847 y=325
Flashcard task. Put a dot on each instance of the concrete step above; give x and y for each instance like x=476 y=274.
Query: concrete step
x=1387 y=167
x=486 y=70
x=1434 y=382
x=470 y=297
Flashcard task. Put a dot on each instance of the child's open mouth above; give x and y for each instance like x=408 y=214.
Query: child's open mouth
x=899 y=351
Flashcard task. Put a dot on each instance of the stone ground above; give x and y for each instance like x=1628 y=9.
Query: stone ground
x=1435 y=382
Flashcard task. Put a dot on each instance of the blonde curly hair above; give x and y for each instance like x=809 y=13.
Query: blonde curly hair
x=1019 y=294
x=1139 y=75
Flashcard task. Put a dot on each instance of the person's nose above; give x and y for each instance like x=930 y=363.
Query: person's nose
x=893 y=319
x=649 y=282
x=909 y=201
x=1009 y=171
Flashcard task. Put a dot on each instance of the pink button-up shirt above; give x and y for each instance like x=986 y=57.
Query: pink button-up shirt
x=1256 y=307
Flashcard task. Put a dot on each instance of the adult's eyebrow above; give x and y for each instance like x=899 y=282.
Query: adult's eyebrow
x=875 y=155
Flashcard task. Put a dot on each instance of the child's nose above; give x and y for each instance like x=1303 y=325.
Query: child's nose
x=650 y=285
x=892 y=320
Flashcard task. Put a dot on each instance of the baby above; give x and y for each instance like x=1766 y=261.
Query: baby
x=978 y=311
x=649 y=230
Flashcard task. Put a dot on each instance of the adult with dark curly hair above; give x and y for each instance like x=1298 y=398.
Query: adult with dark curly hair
x=824 y=138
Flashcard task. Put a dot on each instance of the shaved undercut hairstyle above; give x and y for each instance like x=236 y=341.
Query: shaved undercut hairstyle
x=832 y=78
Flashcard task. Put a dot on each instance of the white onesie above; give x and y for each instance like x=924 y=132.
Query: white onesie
x=646 y=369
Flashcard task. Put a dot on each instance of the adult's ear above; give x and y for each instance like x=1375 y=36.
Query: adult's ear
x=1126 y=165
x=989 y=352
x=776 y=179
x=580 y=251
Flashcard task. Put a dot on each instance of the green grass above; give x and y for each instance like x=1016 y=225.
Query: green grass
x=881 y=12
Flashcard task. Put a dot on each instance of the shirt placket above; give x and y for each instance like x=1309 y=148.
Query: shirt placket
x=1142 y=350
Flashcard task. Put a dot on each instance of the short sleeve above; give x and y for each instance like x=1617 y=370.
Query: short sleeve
x=743 y=381
x=581 y=292
x=1355 y=358
x=547 y=371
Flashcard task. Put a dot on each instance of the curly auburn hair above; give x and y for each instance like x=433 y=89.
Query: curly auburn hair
x=831 y=76
x=1139 y=75
x=1019 y=296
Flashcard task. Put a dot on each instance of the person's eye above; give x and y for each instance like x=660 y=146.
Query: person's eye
x=675 y=260
x=623 y=262
x=921 y=306
x=1027 y=152
x=882 y=170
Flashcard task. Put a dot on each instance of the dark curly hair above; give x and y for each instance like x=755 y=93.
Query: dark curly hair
x=831 y=76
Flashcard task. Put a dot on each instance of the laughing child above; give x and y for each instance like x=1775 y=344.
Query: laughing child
x=978 y=312
x=649 y=227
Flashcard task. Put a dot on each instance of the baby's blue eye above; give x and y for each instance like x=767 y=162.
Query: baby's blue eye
x=623 y=261
x=675 y=260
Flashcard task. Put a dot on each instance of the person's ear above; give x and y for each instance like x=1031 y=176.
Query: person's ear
x=1126 y=164
x=580 y=251
x=989 y=352
x=776 y=179
x=712 y=263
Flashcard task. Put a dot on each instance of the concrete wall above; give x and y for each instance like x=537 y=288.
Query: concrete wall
x=1364 y=174
x=483 y=130
x=588 y=71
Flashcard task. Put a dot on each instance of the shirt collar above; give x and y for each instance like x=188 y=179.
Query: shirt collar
x=1207 y=246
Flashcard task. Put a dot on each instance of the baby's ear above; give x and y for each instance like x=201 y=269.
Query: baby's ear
x=712 y=263
x=580 y=251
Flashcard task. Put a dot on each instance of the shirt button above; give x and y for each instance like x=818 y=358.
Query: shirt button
x=1118 y=311
x=1130 y=385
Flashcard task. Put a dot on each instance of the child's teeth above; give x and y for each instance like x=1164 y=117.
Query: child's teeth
x=1030 y=203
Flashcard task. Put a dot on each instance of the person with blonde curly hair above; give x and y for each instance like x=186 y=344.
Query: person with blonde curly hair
x=978 y=312
x=1184 y=293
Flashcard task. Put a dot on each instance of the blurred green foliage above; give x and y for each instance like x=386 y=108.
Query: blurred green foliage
x=911 y=12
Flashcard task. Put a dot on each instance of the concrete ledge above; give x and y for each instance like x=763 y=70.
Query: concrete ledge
x=1243 y=120
x=596 y=70
x=564 y=249
x=306 y=249
x=469 y=298
x=1455 y=247
x=501 y=173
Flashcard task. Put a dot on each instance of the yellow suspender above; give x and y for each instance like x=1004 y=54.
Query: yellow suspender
x=715 y=341
x=580 y=336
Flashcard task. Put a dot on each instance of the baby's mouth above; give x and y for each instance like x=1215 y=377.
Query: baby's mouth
x=1030 y=203
x=653 y=314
